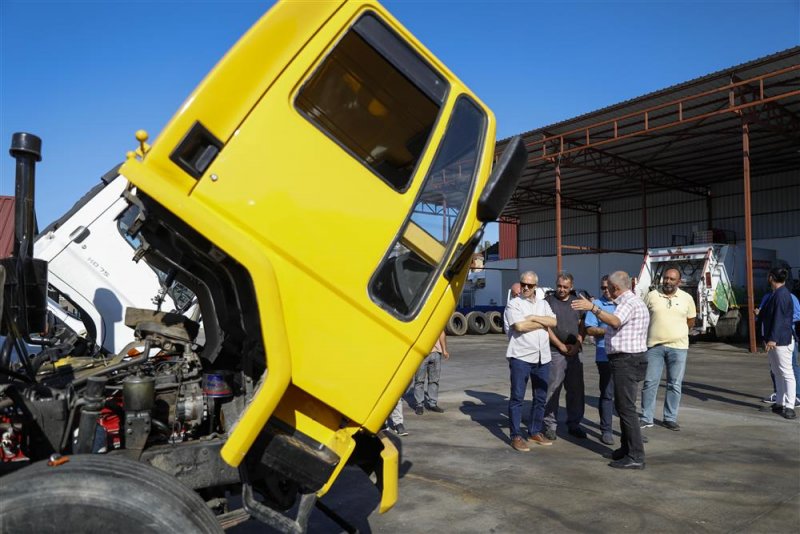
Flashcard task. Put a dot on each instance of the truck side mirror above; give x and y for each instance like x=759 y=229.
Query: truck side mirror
x=503 y=181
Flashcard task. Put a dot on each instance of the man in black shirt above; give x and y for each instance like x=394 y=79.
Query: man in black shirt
x=566 y=369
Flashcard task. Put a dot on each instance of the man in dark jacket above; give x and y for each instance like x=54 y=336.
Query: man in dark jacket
x=566 y=368
x=775 y=321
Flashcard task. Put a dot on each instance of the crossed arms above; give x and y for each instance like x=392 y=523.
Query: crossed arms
x=534 y=322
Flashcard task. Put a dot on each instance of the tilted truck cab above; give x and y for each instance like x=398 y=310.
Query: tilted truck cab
x=321 y=193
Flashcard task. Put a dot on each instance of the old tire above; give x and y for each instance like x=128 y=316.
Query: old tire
x=95 y=493
x=495 y=319
x=477 y=323
x=457 y=325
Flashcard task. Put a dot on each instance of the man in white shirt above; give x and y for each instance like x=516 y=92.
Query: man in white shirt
x=526 y=320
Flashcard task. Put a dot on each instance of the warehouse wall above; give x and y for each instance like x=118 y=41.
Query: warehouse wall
x=672 y=217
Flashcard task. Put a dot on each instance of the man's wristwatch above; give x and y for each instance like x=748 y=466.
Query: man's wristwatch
x=595 y=309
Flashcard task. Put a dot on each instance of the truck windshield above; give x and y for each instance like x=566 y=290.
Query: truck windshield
x=407 y=271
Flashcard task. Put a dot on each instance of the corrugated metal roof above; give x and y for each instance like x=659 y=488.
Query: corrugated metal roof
x=689 y=155
x=6 y=226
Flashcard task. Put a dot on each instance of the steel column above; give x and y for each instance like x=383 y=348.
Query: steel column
x=558 y=216
x=599 y=229
x=748 y=235
x=644 y=215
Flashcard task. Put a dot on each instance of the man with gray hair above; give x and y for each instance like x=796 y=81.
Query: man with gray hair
x=526 y=319
x=626 y=345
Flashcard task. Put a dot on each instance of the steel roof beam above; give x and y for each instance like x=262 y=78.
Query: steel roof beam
x=603 y=162
x=779 y=118
x=544 y=198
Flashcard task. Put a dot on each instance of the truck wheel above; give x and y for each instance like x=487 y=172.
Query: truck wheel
x=477 y=323
x=495 y=319
x=96 y=493
x=457 y=325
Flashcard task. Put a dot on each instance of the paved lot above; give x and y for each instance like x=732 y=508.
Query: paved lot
x=732 y=467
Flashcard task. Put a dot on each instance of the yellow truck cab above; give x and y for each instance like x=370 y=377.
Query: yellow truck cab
x=321 y=193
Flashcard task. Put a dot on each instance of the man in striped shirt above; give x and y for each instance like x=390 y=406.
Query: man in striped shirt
x=626 y=344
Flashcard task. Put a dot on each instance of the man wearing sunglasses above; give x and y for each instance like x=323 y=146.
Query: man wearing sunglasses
x=597 y=328
x=526 y=320
x=672 y=314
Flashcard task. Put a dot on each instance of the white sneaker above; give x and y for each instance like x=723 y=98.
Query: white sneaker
x=769 y=400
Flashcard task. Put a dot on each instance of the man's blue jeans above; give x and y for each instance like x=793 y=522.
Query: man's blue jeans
x=605 y=404
x=538 y=373
x=675 y=361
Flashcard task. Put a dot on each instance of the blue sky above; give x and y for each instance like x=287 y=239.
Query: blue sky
x=85 y=75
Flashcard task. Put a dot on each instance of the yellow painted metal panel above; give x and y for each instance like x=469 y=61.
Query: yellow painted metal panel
x=308 y=222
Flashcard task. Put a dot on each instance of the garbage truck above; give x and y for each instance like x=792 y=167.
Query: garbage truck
x=715 y=275
x=290 y=196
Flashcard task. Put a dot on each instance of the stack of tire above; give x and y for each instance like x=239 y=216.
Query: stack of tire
x=475 y=323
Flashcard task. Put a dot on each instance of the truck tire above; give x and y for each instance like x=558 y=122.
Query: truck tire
x=457 y=325
x=98 y=493
x=495 y=319
x=477 y=323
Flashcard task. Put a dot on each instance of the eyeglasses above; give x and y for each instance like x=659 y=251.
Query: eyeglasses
x=603 y=288
x=527 y=286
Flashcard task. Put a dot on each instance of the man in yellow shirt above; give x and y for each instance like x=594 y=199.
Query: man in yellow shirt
x=672 y=314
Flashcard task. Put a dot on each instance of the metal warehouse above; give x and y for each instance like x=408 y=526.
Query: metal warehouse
x=712 y=159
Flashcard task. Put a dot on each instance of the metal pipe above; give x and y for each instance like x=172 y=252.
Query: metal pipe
x=748 y=236
x=709 y=211
x=558 y=216
x=118 y=366
x=27 y=150
x=599 y=230
x=644 y=215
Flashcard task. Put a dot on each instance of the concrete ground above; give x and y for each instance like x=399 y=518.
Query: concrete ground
x=731 y=468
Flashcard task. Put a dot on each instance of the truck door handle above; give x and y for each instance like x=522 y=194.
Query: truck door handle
x=79 y=234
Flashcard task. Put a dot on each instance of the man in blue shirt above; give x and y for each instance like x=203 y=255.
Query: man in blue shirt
x=597 y=329
x=795 y=364
x=775 y=324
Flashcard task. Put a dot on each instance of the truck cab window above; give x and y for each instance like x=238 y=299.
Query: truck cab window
x=377 y=99
x=406 y=273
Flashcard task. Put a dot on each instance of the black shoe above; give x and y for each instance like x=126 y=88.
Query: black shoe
x=418 y=410
x=616 y=454
x=434 y=408
x=550 y=434
x=607 y=438
x=777 y=408
x=578 y=432
x=671 y=425
x=788 y=413
x=626 y=463
x=400 y=430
